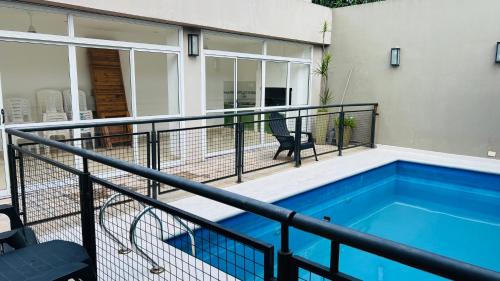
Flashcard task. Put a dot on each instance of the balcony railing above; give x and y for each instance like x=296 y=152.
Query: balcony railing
x=60 y=187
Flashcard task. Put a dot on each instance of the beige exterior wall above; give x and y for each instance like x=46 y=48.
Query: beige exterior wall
x=445 y=96
x=286 y=19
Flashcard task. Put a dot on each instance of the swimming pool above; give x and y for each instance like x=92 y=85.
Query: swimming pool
x=452 y=212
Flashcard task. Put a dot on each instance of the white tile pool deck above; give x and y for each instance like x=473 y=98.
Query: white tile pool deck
x=294 y=181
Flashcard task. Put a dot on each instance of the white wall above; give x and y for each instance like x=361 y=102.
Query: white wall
x=284 y=19
x=445 y=96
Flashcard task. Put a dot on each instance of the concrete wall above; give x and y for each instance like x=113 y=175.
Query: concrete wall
x=285 y=19
x=445 y=96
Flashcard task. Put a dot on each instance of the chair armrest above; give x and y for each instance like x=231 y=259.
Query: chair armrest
x=283 y=136
x=10 y=212
x=308 y=134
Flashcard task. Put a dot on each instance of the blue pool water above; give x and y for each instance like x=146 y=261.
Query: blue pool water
x=452 y=212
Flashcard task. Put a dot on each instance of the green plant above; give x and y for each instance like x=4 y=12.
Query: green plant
x=350 y=122
x=322 y=70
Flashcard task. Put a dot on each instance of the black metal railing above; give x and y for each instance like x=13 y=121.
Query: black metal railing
x=61 y=199
x=214 y=147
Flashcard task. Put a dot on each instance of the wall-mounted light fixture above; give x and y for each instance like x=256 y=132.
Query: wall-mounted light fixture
x=193 y=45
x=395 y=56
x=497 y=60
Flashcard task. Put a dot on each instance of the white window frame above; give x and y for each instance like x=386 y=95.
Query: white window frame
x=263 y=58
x=71 y=42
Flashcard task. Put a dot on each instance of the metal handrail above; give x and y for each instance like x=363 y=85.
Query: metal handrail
x=102 y=211
x=156 y=269
x=190 y=233
x=99 y=123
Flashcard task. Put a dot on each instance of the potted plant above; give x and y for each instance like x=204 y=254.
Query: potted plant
x=325 y=97
x=349 y=124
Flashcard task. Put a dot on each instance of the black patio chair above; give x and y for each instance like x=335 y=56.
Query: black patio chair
x=280 y=131
x=23 y=258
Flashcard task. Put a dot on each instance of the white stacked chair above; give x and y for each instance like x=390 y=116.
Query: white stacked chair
x=85 y=114
x=19 y=112
x=50 y=106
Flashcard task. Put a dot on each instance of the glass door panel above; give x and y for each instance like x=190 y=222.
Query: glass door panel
x=276 y=76
x=299 y=84
x=219 y=83
x=33 y=79
x=249 y=83
x=157 y=84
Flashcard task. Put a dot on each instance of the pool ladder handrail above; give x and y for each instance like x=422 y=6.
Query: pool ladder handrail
x=102 y=211
x=156 y=269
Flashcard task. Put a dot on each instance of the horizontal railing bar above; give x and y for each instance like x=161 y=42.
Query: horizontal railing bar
x=320 y=269
x=48 y=160
x=184 y=215
x=228 y=125
x=103 y=136
x=420 y=259
x=180 y=119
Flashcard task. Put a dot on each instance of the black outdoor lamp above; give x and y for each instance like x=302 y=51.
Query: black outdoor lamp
x=395 y=56
x=193 y=45
x=497 y=60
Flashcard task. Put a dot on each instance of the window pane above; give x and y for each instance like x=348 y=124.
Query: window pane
x=249 y=83
x=17 y=19
x=104 y=82
x=157 y=84
x=121 y=30
x=288 y=49
x=33 y=77
x=219 y=83
x=299 y=84
x=232 y=43
x=276 y=74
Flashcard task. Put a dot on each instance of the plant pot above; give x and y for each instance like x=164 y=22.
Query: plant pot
x=346 y=136
x=321 y=128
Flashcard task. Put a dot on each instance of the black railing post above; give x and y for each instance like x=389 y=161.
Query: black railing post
x=87 y=213
x=269 y=265
x=238 y=143
x=155 y=165
x=148 y=161
x=23 y=188
x=298 y=140
x=374 y=119
x=334 y=257
x=340 y=133
x=284 y=256
x=11 y=155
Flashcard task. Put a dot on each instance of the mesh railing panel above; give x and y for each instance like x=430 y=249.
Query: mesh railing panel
x=322 y=128
x=361 y=133
x=176 y=246
x=200 y=154
x=260 y=146
x=49 y=198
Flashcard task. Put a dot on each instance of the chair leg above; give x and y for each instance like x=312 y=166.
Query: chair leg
x=314 y=150
x=277 y=153
x=290 y=152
